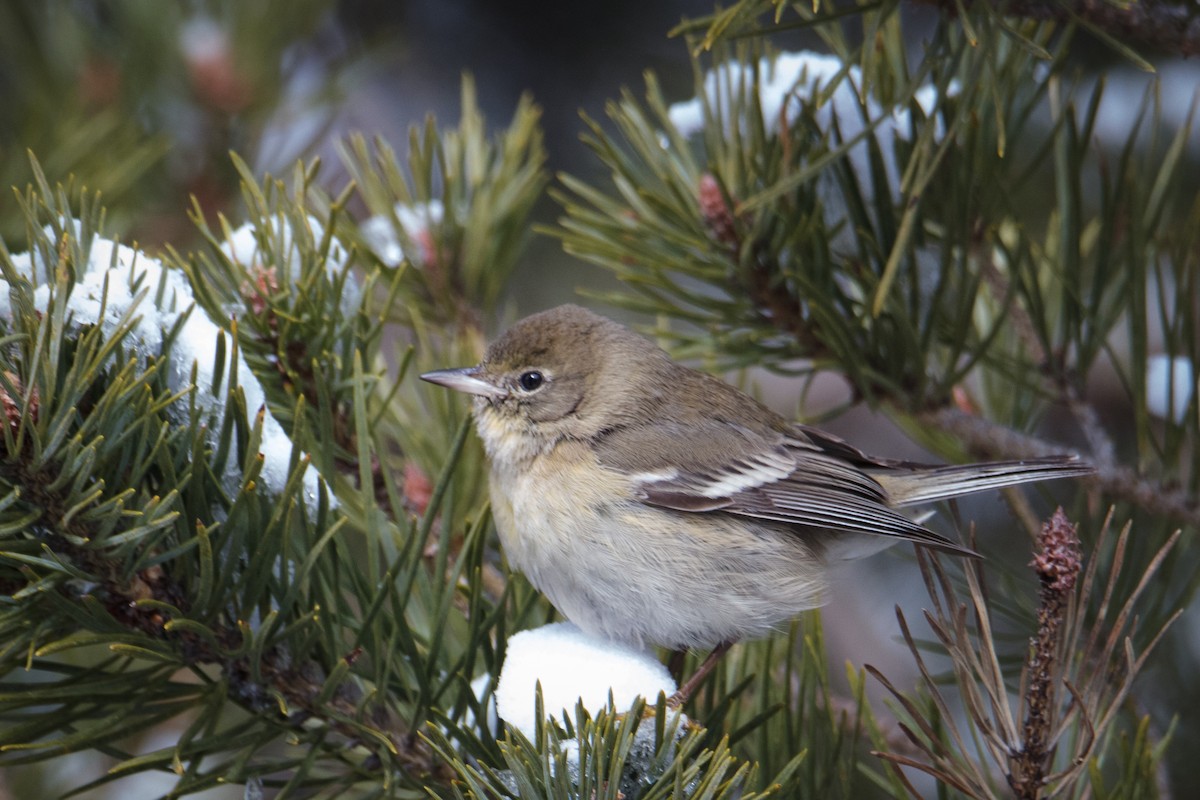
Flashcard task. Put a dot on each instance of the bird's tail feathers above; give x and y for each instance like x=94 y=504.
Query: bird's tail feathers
x=941 y=483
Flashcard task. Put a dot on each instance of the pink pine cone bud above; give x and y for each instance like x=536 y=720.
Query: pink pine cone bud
x=12 y=405
x=266 y=283
x=1060 y=559
x=417 y=488
x=718 y=217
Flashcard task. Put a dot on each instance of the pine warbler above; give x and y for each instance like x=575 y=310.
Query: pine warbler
x=652 y=503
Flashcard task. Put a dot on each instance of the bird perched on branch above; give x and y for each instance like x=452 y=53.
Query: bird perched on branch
x=653 y=503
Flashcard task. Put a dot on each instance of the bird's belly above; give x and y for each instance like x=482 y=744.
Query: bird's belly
x=639 y=574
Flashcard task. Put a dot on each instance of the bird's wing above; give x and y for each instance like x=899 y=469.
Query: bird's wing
x=795 y=478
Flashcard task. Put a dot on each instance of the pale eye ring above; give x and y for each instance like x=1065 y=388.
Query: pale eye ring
x=531 y=380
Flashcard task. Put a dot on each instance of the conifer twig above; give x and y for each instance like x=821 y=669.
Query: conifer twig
x=988 y=439
x=139 y=602
x=1057 y=565
x=1171 y=27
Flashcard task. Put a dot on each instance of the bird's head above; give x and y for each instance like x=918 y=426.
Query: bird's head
x=563 y=373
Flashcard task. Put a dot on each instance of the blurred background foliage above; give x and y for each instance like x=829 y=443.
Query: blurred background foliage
x=1009 y=279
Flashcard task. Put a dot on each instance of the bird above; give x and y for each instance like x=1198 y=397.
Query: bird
x=655 y=504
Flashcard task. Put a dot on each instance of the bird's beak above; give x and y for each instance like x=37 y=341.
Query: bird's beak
x=466 y=380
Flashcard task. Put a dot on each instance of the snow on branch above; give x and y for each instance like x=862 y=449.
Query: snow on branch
x=118 y=282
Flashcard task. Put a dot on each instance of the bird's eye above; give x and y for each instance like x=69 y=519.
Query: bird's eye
x=531 y=380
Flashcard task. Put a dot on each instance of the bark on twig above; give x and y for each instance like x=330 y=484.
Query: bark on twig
x=988 y=440
x=1057 y=565
x=1165 y=26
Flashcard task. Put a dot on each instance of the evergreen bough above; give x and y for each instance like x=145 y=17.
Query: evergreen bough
x=331 y=620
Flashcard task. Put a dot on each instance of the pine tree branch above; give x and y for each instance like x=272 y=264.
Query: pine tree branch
x=140 y=601
x=761 y=275
x=1169 y=27
x=1089 y=655
x=988 y=439
x=1057 y=565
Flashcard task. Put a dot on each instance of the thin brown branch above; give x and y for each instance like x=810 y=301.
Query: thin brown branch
x=1165 y=26
x=989 y=440
x=1100 y=444
x=1057 y=565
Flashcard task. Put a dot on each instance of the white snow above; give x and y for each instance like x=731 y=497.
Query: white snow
x=790 y=82
x=379 y=232
x=1170 y=385
x=572 y=666
x=162 y=296
x=242 y=247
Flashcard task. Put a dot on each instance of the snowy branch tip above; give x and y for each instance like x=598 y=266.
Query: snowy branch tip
x=122 y=286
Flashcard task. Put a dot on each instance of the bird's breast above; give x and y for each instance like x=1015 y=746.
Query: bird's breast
x=542 y=506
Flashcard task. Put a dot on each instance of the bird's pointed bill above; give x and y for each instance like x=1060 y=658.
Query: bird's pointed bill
x=465 y=380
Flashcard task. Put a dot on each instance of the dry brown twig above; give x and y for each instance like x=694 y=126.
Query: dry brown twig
x=1057 y=565
x=1078 y=672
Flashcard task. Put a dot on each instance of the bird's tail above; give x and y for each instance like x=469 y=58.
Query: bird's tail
x=930 y=484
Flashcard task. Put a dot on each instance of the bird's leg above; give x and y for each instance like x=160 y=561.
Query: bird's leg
x=693 y=683
x=675 y=663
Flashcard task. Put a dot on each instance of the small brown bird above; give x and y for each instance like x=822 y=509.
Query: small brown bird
x=656 y=504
